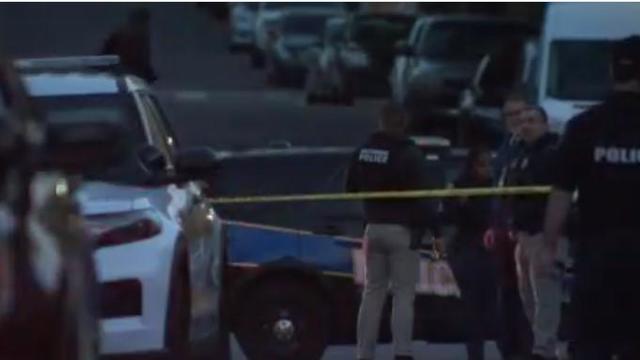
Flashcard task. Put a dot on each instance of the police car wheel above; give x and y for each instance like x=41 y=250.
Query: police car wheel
x=283 y=320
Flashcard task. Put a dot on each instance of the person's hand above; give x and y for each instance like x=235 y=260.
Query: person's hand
x=489 y=239
x=439 y=246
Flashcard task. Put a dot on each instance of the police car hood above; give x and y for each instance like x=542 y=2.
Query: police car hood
x=98 y=198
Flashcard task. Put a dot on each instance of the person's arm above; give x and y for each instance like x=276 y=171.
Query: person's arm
x=556 y=217
x=418 y=179
x=572 y=157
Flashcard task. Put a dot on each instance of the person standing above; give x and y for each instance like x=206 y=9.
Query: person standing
x=133 y=45
x=599 y=156
x=471 y=263
x=540 y=286
x=391 y=161
x=514 y=333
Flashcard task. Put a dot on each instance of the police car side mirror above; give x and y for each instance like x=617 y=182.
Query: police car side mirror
x=197 y=163
x=152 y=159
x=83 y=146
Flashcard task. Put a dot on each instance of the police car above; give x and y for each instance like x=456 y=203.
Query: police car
x=158 y=244
x=294 y=292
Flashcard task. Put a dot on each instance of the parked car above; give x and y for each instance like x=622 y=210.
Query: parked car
x=266 y=23
x=438 y=61
x=497 y=75
x=361 y=63
x=159 y=253
x=572 y=73
x=288 y=58
x=48 y=287
x=242 y=23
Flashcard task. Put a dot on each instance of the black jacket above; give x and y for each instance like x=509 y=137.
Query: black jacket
x=532 y=167
x=471 y=216
x=386 y=163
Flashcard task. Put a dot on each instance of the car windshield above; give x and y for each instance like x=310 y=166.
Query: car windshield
x=304 y=24
x=579 y=70
x=335 y=31
x=381 y=31
x=467 y=40
x=110 y=107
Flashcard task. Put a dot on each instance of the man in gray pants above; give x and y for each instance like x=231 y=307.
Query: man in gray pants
x=390 y=161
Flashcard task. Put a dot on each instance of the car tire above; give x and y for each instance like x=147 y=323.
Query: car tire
x=178 y=313
x=285 y=320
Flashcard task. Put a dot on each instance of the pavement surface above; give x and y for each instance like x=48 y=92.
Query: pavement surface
x=213 y=98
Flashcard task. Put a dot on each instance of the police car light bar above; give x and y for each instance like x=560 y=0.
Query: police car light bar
x=101 y=62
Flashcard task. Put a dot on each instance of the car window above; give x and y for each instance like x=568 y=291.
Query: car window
x=304 y=24
x=335 y=31
x=160 y=136
x=579 y=70
x=379 y=34
x=115 y=107
x=467 y=40
x=503 y=72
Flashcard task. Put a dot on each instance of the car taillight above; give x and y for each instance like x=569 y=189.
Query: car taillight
x=139 y=230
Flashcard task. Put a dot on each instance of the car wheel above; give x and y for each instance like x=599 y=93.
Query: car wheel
x=178 y=315
x=284 y=320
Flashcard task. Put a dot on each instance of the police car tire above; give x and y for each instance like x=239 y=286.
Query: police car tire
x=307 y=310
x=178 y=314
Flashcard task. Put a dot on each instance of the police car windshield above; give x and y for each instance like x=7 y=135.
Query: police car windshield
x=468 y=40
x=111 y=107
x=579 y=70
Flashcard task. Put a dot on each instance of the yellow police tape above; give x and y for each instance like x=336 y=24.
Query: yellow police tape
x=411 y=194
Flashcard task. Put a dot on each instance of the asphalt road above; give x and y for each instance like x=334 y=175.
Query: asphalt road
x=213 y=98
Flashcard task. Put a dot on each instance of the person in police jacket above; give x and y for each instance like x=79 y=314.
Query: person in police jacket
x=540 y=286
x=389 y=160
x=599 y=156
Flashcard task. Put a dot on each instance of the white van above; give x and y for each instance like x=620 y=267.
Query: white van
x=573 y=58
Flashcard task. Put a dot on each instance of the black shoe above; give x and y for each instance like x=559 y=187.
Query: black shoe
x=404 y=357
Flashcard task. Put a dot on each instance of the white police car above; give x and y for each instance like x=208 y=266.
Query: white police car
x=159 y=248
